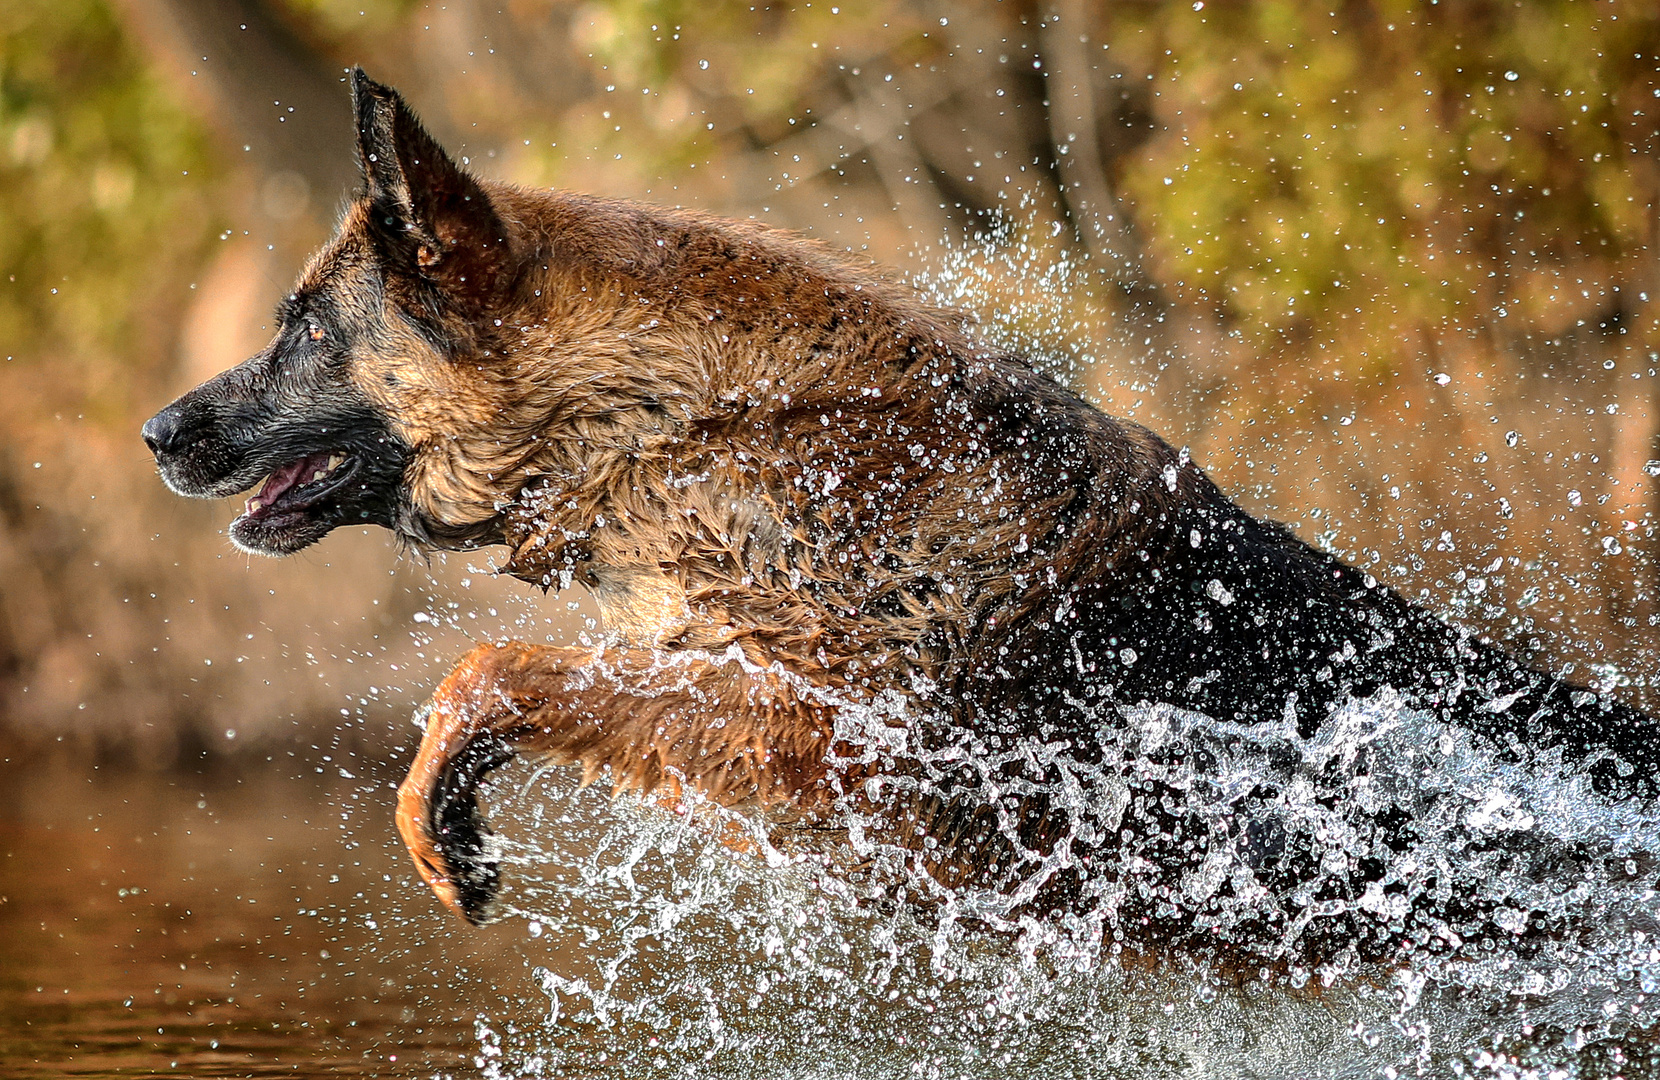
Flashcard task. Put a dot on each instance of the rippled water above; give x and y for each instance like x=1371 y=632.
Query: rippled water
x=267 y=923
x=222 y=926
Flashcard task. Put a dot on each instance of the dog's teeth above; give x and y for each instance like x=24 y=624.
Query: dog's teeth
x=323 y=470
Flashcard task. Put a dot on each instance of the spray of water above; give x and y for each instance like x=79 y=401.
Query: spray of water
x=691 y=942
x=1386 y=897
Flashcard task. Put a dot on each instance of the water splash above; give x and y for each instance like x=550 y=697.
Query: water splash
x=1515 y=907
x=658 y=949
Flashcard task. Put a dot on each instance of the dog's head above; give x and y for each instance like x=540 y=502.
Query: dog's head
x=330 y=421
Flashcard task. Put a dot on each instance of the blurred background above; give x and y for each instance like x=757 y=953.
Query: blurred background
x=1386 y=266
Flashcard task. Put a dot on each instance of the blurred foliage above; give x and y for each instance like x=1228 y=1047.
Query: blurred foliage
x=1340 y=174
x=1385 y=265
x=727 y=65
x=107 y=189
x=351 y=17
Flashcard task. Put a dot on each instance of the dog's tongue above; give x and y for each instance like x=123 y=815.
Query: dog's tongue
x=283 y=479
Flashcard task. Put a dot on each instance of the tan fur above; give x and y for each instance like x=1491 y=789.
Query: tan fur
x=718 y=429
x=798 y=493
x=741 y=737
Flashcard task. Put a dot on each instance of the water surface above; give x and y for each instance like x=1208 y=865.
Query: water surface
x=222 y=925
x=266 y=922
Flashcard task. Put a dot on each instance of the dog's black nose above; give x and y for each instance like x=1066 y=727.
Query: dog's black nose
x=167 y=432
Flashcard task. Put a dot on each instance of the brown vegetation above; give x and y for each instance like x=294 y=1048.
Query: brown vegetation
x=1512 y=494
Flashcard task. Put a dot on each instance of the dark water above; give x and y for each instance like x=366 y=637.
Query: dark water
x=220 y=926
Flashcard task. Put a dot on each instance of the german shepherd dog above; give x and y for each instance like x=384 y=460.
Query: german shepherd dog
x=795 y=490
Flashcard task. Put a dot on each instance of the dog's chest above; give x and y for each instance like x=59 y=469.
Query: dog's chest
x=639 y=604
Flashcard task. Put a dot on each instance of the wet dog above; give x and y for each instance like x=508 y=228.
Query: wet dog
x=796 y=490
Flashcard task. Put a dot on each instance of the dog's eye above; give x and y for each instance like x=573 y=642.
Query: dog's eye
x=315 y=332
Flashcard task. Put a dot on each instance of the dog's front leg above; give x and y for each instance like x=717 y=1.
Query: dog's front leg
x=654 y=720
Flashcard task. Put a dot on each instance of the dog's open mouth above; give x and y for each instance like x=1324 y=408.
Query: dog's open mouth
x=296 y=504
x=298 y=485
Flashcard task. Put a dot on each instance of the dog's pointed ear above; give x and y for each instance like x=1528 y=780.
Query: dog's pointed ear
x=432 y=217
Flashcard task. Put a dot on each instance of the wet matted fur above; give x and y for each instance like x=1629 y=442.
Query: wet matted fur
x=793 y=487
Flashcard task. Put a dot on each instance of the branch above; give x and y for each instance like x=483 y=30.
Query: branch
x=275 y=102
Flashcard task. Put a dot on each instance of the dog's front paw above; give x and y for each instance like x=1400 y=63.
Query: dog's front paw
x=439 y=819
